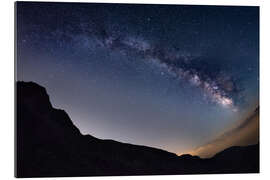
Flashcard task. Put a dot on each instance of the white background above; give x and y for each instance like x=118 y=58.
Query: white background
x=7 y=90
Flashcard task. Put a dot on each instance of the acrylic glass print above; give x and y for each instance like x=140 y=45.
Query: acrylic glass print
x=136 y=89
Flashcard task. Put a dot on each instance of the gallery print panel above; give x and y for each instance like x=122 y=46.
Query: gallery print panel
x=136 y=89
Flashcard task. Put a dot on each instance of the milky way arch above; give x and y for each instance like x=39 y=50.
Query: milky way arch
x=218 y=88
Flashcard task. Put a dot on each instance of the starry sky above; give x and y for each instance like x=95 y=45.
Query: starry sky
x=175 y=77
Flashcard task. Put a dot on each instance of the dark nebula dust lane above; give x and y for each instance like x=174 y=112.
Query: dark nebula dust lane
x=172 y=77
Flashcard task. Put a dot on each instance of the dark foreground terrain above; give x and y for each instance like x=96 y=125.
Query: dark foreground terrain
x=48 y=144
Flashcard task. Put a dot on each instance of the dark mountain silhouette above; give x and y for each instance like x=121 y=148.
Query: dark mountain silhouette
x=49 y=145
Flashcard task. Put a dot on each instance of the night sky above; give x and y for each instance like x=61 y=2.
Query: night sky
x=171 y=77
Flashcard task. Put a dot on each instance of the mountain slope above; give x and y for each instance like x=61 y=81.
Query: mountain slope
x=48 y=144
